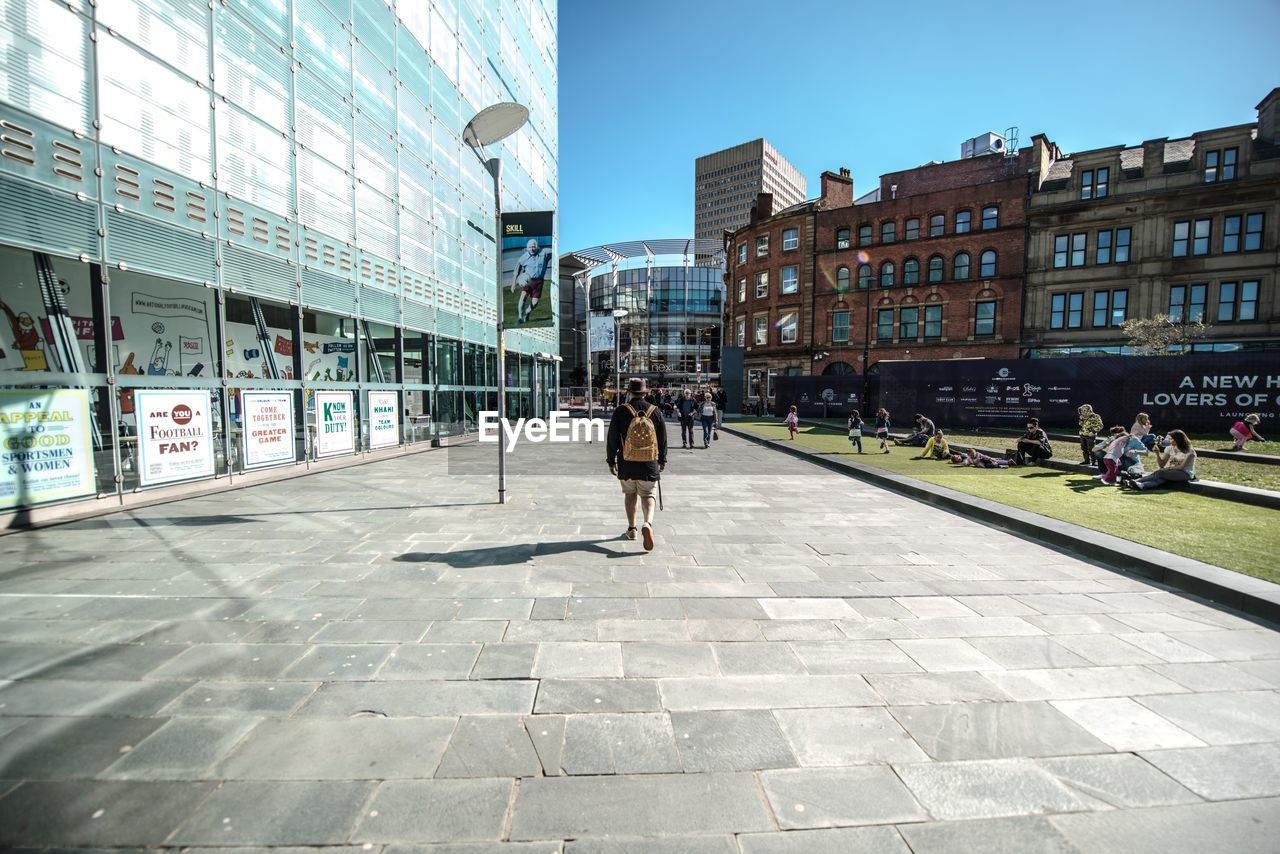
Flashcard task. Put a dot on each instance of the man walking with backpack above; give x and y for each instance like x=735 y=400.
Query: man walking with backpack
x=637 y=454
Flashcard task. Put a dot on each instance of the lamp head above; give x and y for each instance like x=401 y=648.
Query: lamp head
x=494 y=123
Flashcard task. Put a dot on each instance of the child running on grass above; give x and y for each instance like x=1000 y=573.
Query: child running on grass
x=1246 y=430
x=793 y=422
x=855 y=430
x=882 y=428
x=1111 y=454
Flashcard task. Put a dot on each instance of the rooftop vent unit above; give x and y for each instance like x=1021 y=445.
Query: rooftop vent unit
x=987 y=143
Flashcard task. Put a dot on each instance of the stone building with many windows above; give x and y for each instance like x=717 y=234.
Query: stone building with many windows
x=1185 y=228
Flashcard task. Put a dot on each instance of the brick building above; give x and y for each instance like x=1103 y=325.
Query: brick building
x=927 y=266
x=1186 y=228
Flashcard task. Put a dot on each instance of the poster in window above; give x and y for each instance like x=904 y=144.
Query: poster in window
x=384 y=419
x=175 y=435
x=335 y=426
x=527 y=270
x=46 y=453
x=268 y=428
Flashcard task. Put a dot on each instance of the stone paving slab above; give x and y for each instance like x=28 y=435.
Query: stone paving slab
x=352 y=661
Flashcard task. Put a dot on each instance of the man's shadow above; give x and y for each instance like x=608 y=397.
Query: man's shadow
x=516 y=554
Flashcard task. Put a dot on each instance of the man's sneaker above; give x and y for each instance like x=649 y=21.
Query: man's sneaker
x=630 y=534
x=647 y=532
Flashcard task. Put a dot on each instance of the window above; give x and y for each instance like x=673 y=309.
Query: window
x=1061 y=247
x=1093 y=183
x=1186 y=303
x=1079 y=246
x=909 y=324
x=1102 y=252
x=913 y=229
x=911 y=272
x=842 y=238
x=1253 y=232
x=1181 y=237
x=984 y=318
x=960 y=266
x=762 y=284
x=1237 y=302
x=990 y=218
x=886 y=274
x=842 y=279
x=742 y=253
x=1220 y=165
x=865 y=276
x=787 y=329
x=864 y=235
x=935 y=268
x=1200 y=237
x=933 y=321
x=1119 y=307
x=742 y=333
x=988 y=263
x=1075 y=310
x=963 y=219
x=887 y=232
x=742 y=290
x=762 y=246
x=790 y=280
x=937 y=225
x=1231 y=233
x=1101 y=307
x=790 y=239
x=1058 y=311
x=839 y=327
x=884 y=324
x=1123 y=236
x=762 y=331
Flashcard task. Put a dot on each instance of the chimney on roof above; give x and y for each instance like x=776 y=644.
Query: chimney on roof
x=1269 y=117
x=1153 y=157
x=763 y=207
x=837 y=190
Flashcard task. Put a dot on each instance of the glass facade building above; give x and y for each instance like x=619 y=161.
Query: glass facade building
x=263 y=195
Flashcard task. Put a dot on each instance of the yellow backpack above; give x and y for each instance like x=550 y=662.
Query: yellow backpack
x=641 y=443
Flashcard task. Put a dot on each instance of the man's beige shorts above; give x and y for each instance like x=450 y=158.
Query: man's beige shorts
x=643 y=488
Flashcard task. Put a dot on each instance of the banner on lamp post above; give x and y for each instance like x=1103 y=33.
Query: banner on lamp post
x=602 y=328
x=527 y=269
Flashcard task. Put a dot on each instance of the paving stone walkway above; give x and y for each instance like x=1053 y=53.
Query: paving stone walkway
x=381 y=659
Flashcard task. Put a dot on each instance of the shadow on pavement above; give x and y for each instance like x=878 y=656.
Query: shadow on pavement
x=515 y=554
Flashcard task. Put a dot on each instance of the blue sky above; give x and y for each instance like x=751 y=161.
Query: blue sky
x=646 y=87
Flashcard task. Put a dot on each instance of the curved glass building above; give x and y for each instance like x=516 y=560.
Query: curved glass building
x=672 y=291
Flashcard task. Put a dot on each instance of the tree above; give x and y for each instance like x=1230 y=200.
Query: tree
x=1162 y=335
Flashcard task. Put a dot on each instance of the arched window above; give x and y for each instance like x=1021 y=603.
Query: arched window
x=963 y=221
x=837 y=369
x=990 y=217
x=913 y=228
x=886 y=274
x=988 y=263
x=887 y=232
x=865 y=276
x=864 y=235
x=937 y=225
x=842 y=279
x=911 y=272
x=842 y=238
x=960 y=267
x=935 y=268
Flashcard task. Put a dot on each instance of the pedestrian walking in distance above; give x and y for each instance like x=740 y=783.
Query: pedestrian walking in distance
x=685 y=408
x=637 y=454
x=708 y=418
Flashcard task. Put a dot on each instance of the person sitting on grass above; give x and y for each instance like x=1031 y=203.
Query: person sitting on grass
x=936 y=448
x=1033 y=445
x=1090 y=427
x=977 y=459
x=1141 y=430
x=924 y=430
x=1246 y=430
x=1177 y=466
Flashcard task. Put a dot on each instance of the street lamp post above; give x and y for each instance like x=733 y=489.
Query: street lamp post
x=586 y=297
x=494 y=124
x=866 y=352
x=618 y=314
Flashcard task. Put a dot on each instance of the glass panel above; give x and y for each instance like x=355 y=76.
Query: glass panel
x=1119 y=307
x=962 y=221
x=1226 y=302
x=908 y=326
x=884 y=324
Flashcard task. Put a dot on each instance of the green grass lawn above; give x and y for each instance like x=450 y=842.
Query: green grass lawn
x=1223 y=533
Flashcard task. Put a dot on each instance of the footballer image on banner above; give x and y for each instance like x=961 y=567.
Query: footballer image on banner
x=528 y=270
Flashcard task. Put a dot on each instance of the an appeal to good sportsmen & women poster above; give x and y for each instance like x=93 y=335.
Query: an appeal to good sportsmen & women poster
x=175 y=435
x=45 y=450
x=528 y=270
x=268 y=428
x=384 y=419
x=335 y=423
